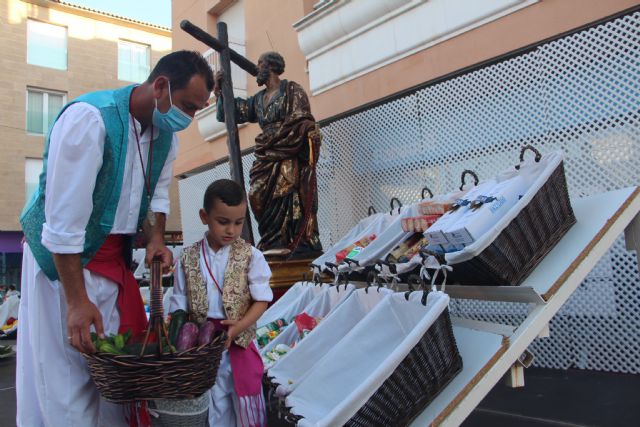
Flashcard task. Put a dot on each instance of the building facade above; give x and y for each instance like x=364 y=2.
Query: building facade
x=410 y=93
x=348 y=54
x=52 y=52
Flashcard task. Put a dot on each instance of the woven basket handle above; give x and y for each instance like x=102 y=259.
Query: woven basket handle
x=530 y=148
x=156 y=312
x=398 y=201
x=371 y=211
x=463 y=176
x=428 y=190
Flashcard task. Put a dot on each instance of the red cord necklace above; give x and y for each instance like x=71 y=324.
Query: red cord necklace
x=151 y=218
x=206 y=263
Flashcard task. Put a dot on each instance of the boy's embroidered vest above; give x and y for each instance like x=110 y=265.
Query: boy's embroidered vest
x=114 y=109
x=236 y=298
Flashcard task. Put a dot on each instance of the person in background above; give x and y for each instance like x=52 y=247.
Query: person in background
x=108 y=163
x=11 y=291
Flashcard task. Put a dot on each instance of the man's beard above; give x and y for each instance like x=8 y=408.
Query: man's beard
x=262 y=77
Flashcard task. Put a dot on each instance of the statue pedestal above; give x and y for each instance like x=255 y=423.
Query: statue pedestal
x=284 y=273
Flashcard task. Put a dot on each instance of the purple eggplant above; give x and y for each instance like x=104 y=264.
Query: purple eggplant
x=206 y=333
x=188 y=336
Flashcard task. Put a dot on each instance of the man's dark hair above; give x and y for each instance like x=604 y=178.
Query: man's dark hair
x=226 y=190
x=12 y=288
x=275 y=61
x=180 y=66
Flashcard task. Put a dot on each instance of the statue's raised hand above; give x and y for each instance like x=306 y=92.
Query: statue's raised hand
x=217 y=86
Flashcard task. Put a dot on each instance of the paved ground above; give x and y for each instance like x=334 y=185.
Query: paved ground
x=562 y=398
x=551 y=398
x=7 y=389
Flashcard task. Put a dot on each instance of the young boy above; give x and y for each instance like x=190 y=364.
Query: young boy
x=223 y=278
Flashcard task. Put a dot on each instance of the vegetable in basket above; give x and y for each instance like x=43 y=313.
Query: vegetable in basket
x=188 y=336
x=178 y=319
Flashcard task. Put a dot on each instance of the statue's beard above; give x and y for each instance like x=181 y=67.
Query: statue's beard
x=262 y=77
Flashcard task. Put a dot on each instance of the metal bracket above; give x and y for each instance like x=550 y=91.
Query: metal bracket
x=545 y=332
x=515 y=377
x=523 y=294
x=632 y=236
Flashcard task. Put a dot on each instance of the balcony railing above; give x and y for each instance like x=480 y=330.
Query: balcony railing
x=238 y=75
x=208 y=125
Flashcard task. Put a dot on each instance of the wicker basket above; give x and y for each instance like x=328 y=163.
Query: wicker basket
x=416 y=381
x=127 y=378
x=522 y=245
x=185 y=375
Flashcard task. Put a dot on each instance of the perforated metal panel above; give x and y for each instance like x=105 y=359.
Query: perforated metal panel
x=580 y=94
x=192 y=194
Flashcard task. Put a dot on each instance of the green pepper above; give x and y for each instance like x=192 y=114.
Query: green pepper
x=178 y=318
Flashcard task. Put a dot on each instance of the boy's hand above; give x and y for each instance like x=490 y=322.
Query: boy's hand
x=233 y=331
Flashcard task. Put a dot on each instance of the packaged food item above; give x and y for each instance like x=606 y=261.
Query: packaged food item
x=305 y=322
x=485 y=210
x=436 y=232
x=268 y=332
x=413 y=250
x=407 y=249
x=434 y=208
x=418 y=223
x=354 y=248
x=271 y=357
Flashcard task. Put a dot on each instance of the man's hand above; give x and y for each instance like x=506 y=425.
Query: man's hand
x=158 y=249
x=81 y=312
x=217 y=85
x=80 y=316
x=155 y=245
x=233 y=331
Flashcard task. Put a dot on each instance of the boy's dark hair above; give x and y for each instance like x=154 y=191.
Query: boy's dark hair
x=230 y=192
x=12 y=288
x=180 y=66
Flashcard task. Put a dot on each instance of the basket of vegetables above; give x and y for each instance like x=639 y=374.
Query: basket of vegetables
x=176 y=362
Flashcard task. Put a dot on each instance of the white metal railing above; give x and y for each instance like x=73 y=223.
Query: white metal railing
x=238 y=75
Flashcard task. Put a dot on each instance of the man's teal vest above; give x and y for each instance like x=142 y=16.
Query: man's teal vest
x=114 y=108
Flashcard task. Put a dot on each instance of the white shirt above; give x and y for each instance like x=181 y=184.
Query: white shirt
x=258 y=276
x=76 y=148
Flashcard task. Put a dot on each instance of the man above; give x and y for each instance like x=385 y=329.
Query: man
x=12 y=291
x=283 y=193
x=107 y=169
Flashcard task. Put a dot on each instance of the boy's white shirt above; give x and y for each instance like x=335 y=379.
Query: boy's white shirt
x=258 y=276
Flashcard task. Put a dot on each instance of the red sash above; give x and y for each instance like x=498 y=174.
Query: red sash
x=109 y=263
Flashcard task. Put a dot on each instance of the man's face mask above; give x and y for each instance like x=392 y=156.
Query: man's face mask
x=174 y=120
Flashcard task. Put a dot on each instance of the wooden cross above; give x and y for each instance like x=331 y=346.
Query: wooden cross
x=228 y=55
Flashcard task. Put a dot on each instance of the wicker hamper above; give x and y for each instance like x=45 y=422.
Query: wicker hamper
x=396 y=382
x=124 y=378
x=522 y=244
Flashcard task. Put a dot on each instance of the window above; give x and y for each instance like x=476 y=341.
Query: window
x=42 y=109
x=133 y=61
x=32 y=170
x=46 y=45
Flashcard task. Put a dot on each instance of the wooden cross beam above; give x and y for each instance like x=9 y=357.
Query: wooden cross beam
x=227 y=55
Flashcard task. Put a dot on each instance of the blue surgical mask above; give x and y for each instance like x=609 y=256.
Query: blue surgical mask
x=174 y=120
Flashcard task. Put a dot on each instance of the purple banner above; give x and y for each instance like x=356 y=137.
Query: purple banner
x=11 y=241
